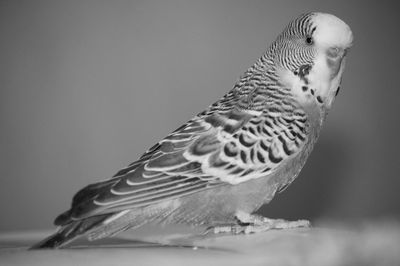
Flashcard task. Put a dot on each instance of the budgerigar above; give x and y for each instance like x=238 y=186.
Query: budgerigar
x=227 y=161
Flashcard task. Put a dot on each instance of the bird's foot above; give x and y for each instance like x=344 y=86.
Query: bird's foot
x=253 y=223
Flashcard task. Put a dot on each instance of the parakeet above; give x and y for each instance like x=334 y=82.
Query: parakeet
x=222 y=165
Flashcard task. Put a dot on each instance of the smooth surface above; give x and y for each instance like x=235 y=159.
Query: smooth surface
x=371 y=245
x=87 y=86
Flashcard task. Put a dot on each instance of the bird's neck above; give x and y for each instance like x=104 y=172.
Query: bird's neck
x=267 y=75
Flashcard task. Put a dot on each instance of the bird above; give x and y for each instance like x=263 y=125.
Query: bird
x=222 y=165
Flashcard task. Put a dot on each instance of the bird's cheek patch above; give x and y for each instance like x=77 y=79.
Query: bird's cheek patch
x=303 y=72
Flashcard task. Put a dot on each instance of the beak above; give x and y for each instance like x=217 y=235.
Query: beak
x=335 y=53
x=335 y=56
x=345 y=52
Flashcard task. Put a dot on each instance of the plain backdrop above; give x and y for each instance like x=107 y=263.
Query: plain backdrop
x=87 y=86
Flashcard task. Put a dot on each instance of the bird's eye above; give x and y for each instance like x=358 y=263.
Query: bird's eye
x=309 y=40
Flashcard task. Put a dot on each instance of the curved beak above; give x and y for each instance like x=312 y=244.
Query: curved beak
x=336 y=52
x=335 y=56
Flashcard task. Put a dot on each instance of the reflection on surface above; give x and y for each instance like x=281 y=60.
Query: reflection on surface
x=317 y=246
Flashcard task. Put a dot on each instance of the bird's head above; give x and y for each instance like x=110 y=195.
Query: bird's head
x=310 y=56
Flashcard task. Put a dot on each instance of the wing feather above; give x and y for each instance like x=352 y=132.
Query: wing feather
x=224 y=146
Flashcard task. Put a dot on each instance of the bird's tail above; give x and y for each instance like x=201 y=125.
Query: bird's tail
x=101 y=226
x=69 y=232
x=56 y=240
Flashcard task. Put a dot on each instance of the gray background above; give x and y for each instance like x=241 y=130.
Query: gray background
x=87 y=86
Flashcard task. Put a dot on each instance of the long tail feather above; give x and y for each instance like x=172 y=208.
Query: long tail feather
x=70 y=232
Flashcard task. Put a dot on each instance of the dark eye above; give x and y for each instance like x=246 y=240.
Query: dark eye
x=309 y=40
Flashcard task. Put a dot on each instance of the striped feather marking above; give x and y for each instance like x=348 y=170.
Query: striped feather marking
x=164 y=193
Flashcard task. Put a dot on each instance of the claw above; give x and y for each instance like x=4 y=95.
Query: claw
x=252 y=223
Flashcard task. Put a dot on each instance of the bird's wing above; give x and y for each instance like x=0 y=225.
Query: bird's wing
x=217 y=147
